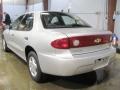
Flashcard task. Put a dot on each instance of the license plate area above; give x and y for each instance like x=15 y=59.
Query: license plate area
x=99 y=63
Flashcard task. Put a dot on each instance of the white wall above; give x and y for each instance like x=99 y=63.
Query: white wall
x=14 y=7
x=30 y=2
x=15 y=2
x=14 y=10
x=118 y=6
x=92 y=11
x=17 y=7
x=35 y=7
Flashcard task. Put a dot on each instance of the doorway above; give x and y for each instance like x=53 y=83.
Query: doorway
x=117 y=19
x=111 y=10
x=1 y=11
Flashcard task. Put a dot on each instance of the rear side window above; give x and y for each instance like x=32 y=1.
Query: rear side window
x=23 y=23
x=26 y=23
x=15 y=24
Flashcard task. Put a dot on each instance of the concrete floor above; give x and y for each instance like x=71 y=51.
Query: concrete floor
x=14 y=75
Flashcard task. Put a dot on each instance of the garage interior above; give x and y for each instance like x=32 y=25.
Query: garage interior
x=14 y=74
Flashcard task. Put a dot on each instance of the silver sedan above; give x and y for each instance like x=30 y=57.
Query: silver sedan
x=59 y=44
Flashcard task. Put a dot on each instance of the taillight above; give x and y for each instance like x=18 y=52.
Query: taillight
x=61 y=43
x=81 y=41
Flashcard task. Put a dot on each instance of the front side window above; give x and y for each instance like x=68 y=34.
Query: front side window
x=61 y=20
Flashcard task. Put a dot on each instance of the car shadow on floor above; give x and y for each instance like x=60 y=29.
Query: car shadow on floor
x=79 y=81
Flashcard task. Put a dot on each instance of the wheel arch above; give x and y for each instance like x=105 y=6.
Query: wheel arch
x=27 y=50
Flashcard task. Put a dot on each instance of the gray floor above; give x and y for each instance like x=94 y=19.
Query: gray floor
x=14 y=75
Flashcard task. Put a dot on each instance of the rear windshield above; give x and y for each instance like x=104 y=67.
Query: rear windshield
x=61 y=20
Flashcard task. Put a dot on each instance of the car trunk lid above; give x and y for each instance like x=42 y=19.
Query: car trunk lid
x=86 y=40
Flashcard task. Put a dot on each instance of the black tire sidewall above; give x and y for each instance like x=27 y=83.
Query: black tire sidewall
x=6 y=48
x=39 y=76
x=118 y=50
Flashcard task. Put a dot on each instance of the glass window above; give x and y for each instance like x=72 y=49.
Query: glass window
x=26 y=23
x=15 y=24
x=54 y=20
x=68 y=20
x=61 y=20
x=23 y=23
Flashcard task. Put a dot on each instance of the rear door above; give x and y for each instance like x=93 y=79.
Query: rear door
x=11 y=32
x=20 y=35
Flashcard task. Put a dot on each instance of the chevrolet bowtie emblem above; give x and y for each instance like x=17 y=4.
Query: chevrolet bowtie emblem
x=98 y=40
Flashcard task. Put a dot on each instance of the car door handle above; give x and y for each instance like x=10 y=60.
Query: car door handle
x=26 y=38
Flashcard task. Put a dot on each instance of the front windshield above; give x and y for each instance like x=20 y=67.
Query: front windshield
x=61 y=20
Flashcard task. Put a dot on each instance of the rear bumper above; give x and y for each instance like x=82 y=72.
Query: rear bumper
x=78 y=64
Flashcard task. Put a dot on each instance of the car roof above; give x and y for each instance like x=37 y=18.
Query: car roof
x=45 y=12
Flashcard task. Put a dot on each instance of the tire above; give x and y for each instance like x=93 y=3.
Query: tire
x=34 y=68
x=118 y=50
x=4 y=45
